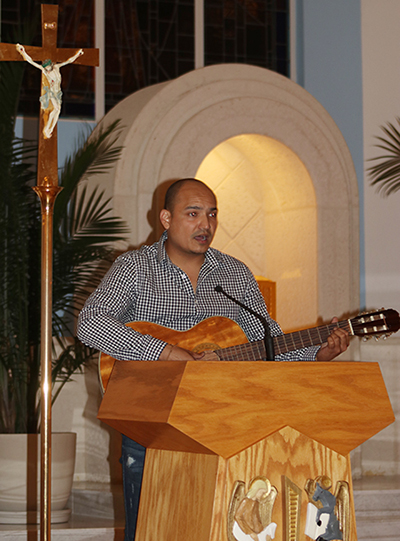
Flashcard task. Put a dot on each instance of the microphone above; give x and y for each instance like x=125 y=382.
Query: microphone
x=269 y=344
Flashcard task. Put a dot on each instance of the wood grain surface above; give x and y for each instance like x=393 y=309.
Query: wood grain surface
x=225 y=407
x=177 y=497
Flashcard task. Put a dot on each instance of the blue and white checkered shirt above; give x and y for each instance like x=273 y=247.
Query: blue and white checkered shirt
x=144 y=285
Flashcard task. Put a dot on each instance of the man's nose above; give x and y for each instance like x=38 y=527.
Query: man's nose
x=205 y=222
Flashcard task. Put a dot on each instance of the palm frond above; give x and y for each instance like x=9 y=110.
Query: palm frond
x=386 y=173
x=86 y=228
x=73 y=357
x=95 y=156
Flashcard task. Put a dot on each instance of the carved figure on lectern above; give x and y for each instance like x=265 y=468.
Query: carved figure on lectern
x=250 y=514
x=332 y=515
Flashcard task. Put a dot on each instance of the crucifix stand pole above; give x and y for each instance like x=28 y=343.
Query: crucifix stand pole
x=47 y=195
x=47 y=189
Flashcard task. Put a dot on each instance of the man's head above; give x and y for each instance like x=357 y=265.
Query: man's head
x=47 y=64
x=190 y=217
x=174 y=189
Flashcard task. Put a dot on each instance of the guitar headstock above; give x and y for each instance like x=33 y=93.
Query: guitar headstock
x=379 y=323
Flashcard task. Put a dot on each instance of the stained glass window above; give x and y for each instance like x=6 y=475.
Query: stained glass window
x=247 y=31
x=150 y=41
x=147 y=42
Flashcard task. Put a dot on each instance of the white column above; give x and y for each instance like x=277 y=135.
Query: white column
x=99 y=86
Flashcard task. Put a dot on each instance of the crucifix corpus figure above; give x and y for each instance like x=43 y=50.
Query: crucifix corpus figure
x=51 y=98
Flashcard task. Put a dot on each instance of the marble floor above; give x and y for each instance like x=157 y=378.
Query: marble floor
x=377 y=503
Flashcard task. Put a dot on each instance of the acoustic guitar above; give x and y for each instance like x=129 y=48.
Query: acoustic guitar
x=224 y=336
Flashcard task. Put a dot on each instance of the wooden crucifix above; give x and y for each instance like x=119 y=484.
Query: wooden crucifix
x=47 y=162
x=47 y=189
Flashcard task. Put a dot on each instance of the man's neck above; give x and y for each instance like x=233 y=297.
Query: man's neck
x=189 y=263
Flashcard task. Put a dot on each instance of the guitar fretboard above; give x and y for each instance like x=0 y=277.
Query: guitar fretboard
x=255 y=351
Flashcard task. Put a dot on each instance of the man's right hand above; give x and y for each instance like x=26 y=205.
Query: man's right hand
x=176 y=353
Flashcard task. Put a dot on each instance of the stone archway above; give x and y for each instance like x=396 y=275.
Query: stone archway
x=169 y=129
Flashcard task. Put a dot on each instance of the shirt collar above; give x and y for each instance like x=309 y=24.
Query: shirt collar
x=161 y=251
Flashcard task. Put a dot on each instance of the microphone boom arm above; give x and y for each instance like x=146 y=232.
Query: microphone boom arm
x=268 y=342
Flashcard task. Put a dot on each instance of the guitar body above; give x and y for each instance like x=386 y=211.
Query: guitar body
x=212 y=333
x=224 y=336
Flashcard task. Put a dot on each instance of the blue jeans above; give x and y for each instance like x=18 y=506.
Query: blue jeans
x=132 y=460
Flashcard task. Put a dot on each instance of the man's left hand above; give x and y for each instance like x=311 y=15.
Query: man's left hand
x=336 y=344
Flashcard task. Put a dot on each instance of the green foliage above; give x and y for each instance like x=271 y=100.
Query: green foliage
x=17 y=205
x=84 y=233
x=386 y=174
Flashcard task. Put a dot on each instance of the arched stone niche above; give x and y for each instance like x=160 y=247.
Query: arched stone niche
x=169 y=128
x=268 y=219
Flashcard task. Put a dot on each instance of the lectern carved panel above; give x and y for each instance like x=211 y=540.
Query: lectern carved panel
x=292 y=508
x=328 y=515
x=250 y=513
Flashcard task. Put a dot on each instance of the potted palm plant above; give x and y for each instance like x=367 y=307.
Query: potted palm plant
x=84 y=233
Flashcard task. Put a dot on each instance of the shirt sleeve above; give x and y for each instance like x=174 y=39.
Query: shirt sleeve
x=254 y=329
x=102 y=321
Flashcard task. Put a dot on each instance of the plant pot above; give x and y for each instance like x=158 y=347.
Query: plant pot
x=20 y=477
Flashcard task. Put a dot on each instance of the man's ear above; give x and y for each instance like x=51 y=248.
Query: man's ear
x=165 y=218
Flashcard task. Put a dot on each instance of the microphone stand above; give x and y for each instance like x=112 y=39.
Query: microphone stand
x=268 y=341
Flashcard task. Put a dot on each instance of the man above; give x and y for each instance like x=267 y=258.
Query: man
x=172 y=283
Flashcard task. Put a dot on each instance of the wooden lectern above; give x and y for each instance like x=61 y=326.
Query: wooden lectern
x=211 y=427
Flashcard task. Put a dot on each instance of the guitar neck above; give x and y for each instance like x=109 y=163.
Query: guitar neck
x=255 y=351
